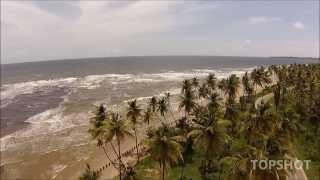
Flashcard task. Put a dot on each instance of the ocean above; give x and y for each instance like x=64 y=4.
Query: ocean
x=45 y=106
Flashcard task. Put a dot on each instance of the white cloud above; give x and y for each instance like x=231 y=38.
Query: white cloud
x=31 y=32
x=298 y=25
x=262 y=19
x=246 y=43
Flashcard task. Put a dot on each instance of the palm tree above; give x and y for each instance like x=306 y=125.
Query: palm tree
x=222 y=85
x=210 y=138
x=163 y=107
x=100 y=116
x=214 y=103
x=165 y=149
x=89 y=174
x=203 y=91
x=277 y=95
x=247 y=86
x=195 y=82
x=211 y=81
x=260 y=77
x=188 y=102
x=233 y=84
x=147 y=116
x=117 y=128
x=167 y=96
x=153 y=104
x=134 y=112
x=231 y=113
x=186 y=85
x=97 y=130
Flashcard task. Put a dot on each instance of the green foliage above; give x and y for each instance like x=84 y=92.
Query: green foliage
x=216 y=140
x=89 y=174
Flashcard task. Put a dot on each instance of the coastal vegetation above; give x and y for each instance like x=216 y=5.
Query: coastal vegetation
x=220 y=125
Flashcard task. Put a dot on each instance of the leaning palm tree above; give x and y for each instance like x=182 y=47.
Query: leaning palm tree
x=133 y=114
x=116 y=127
x=165 y=149
x=97 y=130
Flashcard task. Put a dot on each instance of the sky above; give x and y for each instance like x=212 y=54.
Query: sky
x=47 y=30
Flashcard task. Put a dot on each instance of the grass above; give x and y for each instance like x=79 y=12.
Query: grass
x=149 y=169
x=307 y=148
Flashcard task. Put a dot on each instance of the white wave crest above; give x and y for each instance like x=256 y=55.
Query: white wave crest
x=10 y=91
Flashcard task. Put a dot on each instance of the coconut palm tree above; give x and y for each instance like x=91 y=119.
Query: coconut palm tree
x=147 y=116
x=187 y=102
x=222 y=85
x=133 y=114
x=167 y=96
x=277 y=95
x=260 y=77
x=153 y=104
x=163 y=107
x=247 y=86
x=211 y=82
x=214 y=103
x=195 y=82
x=97 y=130
x=164 y=149
x=233 y=84
x=116 y=127
x=100 y=116
x=203 y=91
x=186 y=85
x=209 y=137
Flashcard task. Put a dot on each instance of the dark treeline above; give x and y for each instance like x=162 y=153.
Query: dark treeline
x=270 y=113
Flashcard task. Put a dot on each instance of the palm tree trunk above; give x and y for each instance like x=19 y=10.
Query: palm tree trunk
x=114 y=149
x=120 y=162
x=163 y=169
x=105 y=152
x=182 y=171
x=135 y=134
x=206 y=163
x=220 y=172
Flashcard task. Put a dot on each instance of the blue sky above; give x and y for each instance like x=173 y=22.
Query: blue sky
x=40 y=30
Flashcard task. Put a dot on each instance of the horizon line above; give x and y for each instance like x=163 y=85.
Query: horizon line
x=100 y=57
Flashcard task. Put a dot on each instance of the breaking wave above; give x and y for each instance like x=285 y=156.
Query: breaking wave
x=54 y=120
